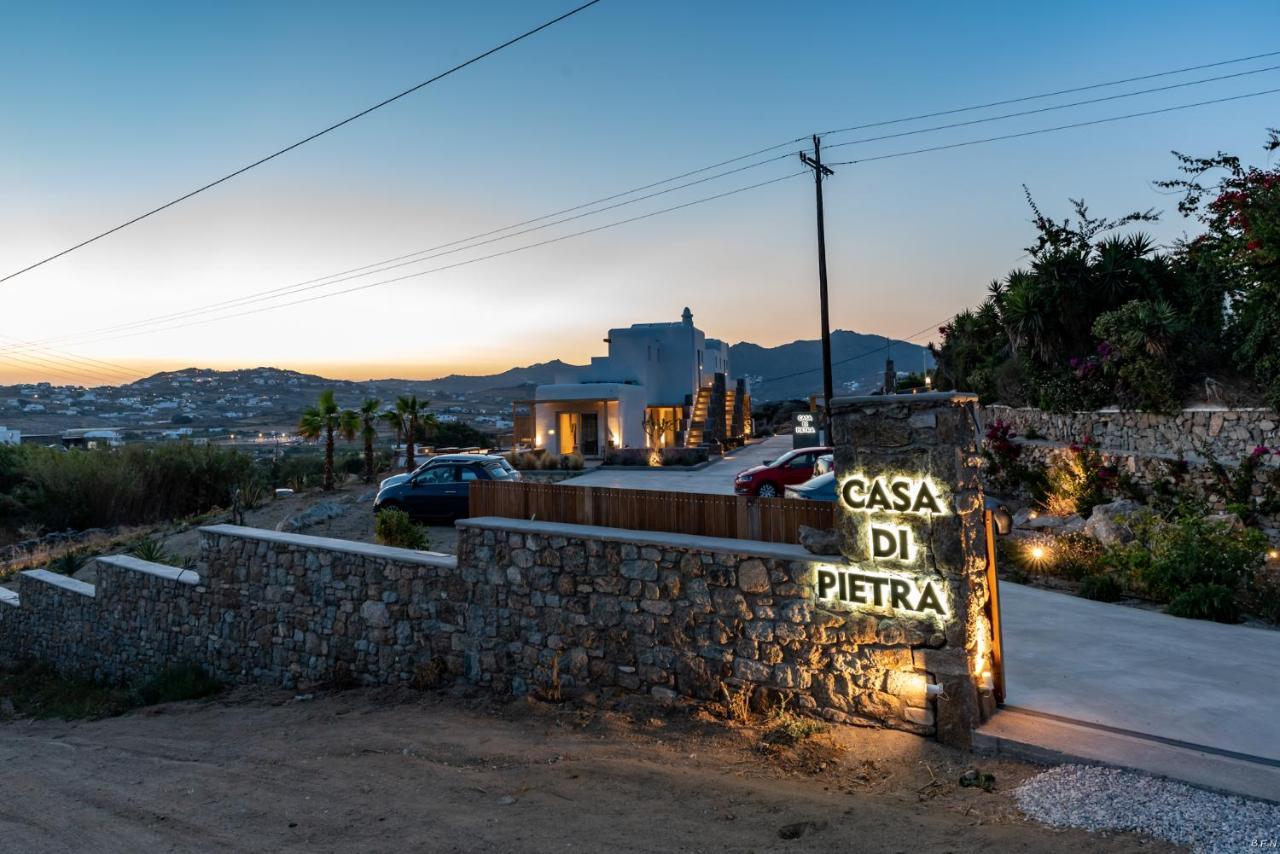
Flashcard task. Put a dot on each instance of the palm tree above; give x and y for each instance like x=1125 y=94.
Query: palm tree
x=326 y=419
x=405 y=421
x=368 y=413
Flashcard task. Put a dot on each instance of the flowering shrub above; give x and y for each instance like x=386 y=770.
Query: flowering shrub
x=1078 y=480
x=1006 y=471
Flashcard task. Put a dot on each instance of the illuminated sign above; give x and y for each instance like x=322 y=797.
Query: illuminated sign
x=887 y=510
x=804 y=429
x=881 y=590
x=892 y=495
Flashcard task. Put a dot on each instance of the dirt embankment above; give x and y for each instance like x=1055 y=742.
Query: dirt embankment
x=380 y=770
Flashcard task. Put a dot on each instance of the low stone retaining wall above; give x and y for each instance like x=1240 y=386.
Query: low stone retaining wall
x=1144 y=445
x=1229 y=434
x=525 y=605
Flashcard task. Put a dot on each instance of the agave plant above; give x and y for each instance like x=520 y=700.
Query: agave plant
x=69 y=562
x=152 y=551
x=326 y=420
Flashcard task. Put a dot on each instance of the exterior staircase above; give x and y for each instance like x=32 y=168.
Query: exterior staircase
x=698 y=420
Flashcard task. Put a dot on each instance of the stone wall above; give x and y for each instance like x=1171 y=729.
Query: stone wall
x=908 y=445
x=138 y=618
x=671 y=615
x=1143 y=445
x=1228 y=434
x=526 y=605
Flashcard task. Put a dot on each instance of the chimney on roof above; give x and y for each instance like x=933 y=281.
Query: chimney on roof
x=687 y=316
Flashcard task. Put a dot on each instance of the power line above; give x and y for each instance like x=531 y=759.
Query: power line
x=285 y=290
x=305 y=140
x=70 y=358
x=31 y=361
x=1053 y=107
x=1070 y=91
x=469 y=261
x=67 y=363
x=384 y=266
x=953 y=111
x=1057 y=128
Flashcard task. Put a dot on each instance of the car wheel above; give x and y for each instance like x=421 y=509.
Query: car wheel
x=767 y=490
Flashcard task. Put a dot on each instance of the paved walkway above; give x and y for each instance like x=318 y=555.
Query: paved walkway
x=715 y=479
x=1193 y=681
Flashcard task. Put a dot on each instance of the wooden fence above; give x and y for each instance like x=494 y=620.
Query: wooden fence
x=772 y=520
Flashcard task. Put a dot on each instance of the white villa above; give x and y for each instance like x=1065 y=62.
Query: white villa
x=660 y=380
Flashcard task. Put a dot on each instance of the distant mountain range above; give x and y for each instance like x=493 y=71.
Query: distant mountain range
x=786 y=371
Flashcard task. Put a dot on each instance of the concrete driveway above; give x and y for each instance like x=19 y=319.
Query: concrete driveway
x=715 y=479
x=1193 y=681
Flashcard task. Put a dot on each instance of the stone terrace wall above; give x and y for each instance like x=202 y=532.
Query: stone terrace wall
x=1142 y=444
x=1228 y=434
x=139 y=618
x=526 y=605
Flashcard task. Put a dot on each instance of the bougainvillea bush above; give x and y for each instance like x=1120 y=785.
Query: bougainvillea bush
x=1102 y=315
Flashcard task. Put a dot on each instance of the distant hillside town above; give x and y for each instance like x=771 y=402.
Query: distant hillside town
x=262 y=403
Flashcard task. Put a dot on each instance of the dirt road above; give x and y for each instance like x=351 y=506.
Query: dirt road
x=370 y=770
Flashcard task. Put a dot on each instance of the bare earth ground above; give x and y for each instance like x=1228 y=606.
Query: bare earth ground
x=383 y=770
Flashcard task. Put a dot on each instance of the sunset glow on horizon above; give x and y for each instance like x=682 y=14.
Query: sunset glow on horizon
x=120 y=109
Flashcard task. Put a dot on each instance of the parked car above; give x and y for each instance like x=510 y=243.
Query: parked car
x=440 y=487
x=770 y=479
x=441 y=459
x=820 y=488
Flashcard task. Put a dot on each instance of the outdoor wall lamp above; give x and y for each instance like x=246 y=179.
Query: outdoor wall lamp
x=1002 y=518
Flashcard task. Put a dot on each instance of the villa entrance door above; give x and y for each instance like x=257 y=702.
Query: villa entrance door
x=590 y=434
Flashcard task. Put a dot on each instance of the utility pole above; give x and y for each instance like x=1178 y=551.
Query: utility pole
x=820 y=172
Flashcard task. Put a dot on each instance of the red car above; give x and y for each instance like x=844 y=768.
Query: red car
x=769 y=480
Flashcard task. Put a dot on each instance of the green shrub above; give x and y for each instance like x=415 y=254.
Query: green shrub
x=1101 y=588
x=1199 y=569
x=1206 y=602
x=1190 y=552
x=136 y=484
x=684 y=456
x=299 y=470
x=396 y=528
x=1264 y=594
x=1075 y=556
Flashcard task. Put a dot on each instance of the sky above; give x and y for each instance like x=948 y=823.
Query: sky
x=111 y=109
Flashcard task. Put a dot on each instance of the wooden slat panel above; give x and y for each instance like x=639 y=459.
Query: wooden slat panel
x=775 y=520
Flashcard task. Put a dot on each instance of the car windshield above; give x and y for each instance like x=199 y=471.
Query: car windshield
x=497 y=471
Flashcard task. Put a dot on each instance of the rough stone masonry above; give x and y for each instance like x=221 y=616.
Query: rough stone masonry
x=911 y=504
x=876 y=639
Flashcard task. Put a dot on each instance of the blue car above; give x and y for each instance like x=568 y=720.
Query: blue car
x=820 y=488
x=440 y=487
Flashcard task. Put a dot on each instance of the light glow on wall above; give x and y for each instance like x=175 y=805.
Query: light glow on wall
x=897 y=493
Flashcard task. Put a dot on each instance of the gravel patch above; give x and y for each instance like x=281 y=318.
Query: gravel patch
x=1110 y=799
